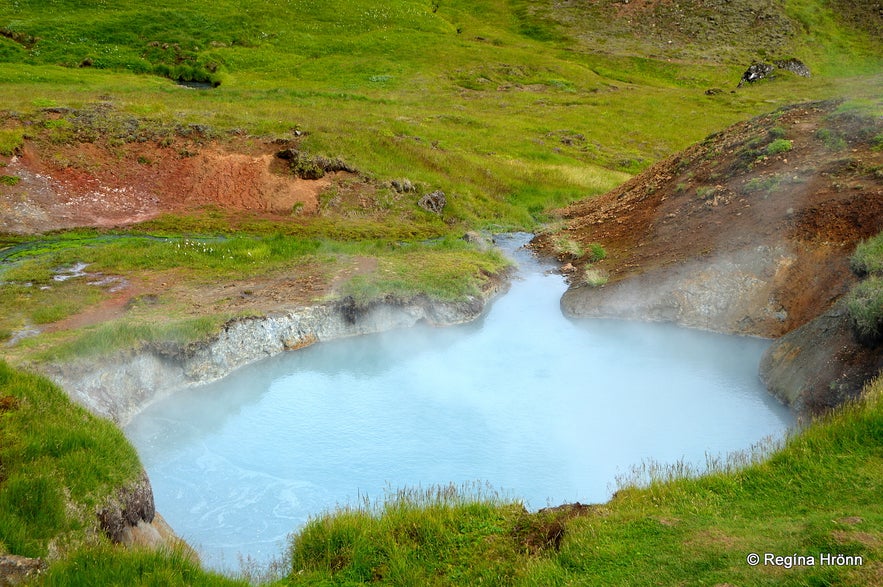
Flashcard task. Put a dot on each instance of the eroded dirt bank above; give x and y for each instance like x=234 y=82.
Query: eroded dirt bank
x=121 y=385
x=748 y=232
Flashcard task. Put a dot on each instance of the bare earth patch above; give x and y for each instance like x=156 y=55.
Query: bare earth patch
x=86 y=184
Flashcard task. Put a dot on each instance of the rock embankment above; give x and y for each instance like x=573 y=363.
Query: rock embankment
x=119 y=386
x=749 y=232
x=821 y=364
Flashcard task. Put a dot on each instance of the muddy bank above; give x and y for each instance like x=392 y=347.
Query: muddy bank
x=119 y=386
x=748 y=232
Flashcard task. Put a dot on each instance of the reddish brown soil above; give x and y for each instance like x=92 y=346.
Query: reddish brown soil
x=818 y=199
x=91 y=184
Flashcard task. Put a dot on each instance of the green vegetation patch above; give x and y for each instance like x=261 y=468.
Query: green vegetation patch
x=868 y=256
x=109 y=337
x=865 y=305
x=106 y=565
x=778 y=146
x=414 y=537
x=11 y=141
x=448 y=270
x=59 y=464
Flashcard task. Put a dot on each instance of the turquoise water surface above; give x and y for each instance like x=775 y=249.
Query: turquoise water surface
x=543 y=408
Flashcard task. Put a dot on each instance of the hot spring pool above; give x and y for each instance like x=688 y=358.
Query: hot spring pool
x=542 y=408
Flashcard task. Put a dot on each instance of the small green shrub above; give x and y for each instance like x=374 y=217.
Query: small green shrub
x=777 y=132
x=761 y=184
x=865 y=305
x=778 y=146
x=9 y=179
x=596 y=253
x=595 y=277
x=868 y=256
x=832 y=140
x=705 y=192
x=566 y=246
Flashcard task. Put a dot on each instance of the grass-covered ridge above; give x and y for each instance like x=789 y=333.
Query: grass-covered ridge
x=59 y=465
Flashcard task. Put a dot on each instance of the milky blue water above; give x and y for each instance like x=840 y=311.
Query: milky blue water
x=545 y=409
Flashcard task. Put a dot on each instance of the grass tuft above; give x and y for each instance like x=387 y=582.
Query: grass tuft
x=868 y=256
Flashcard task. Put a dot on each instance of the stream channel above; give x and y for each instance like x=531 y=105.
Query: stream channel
x=543 y=408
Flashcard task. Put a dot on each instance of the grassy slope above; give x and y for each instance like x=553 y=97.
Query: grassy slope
x=511 y=108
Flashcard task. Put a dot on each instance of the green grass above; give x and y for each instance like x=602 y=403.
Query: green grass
x=868 y=256
x=448 y=270
x=778 y=146
x=59 y=465
x=10 y=141
x=819 y=493
x=109 y=337
x=514 y=113
x=865 y=305
x=864 y=302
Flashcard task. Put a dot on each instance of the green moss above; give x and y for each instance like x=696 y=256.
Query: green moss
x=778 y=146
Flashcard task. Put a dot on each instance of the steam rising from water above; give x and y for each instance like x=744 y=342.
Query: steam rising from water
x=546 y=409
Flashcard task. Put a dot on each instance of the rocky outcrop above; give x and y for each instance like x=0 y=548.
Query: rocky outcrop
x=433 y=202
x=735 y=294
x=132 y=505
x=758 y=70
x=130 y=518
x=821 y=364
x=19 y=570
x=119 y=386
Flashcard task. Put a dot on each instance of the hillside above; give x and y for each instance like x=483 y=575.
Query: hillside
x=784 y=197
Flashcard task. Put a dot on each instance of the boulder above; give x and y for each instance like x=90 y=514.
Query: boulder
x=433 y=202
x=756 y=72
x=793 y=65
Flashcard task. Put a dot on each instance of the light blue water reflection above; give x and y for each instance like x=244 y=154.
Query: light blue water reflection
x=546 y=409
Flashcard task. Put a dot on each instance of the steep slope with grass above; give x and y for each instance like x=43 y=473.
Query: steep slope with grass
x=69 y=483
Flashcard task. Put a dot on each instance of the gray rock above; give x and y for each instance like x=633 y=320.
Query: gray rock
x=132 y=505
x=433 y=202
x=793 y=65
x=19 y=570
x=734 y=294
x=756 y=72
x=820 y=365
